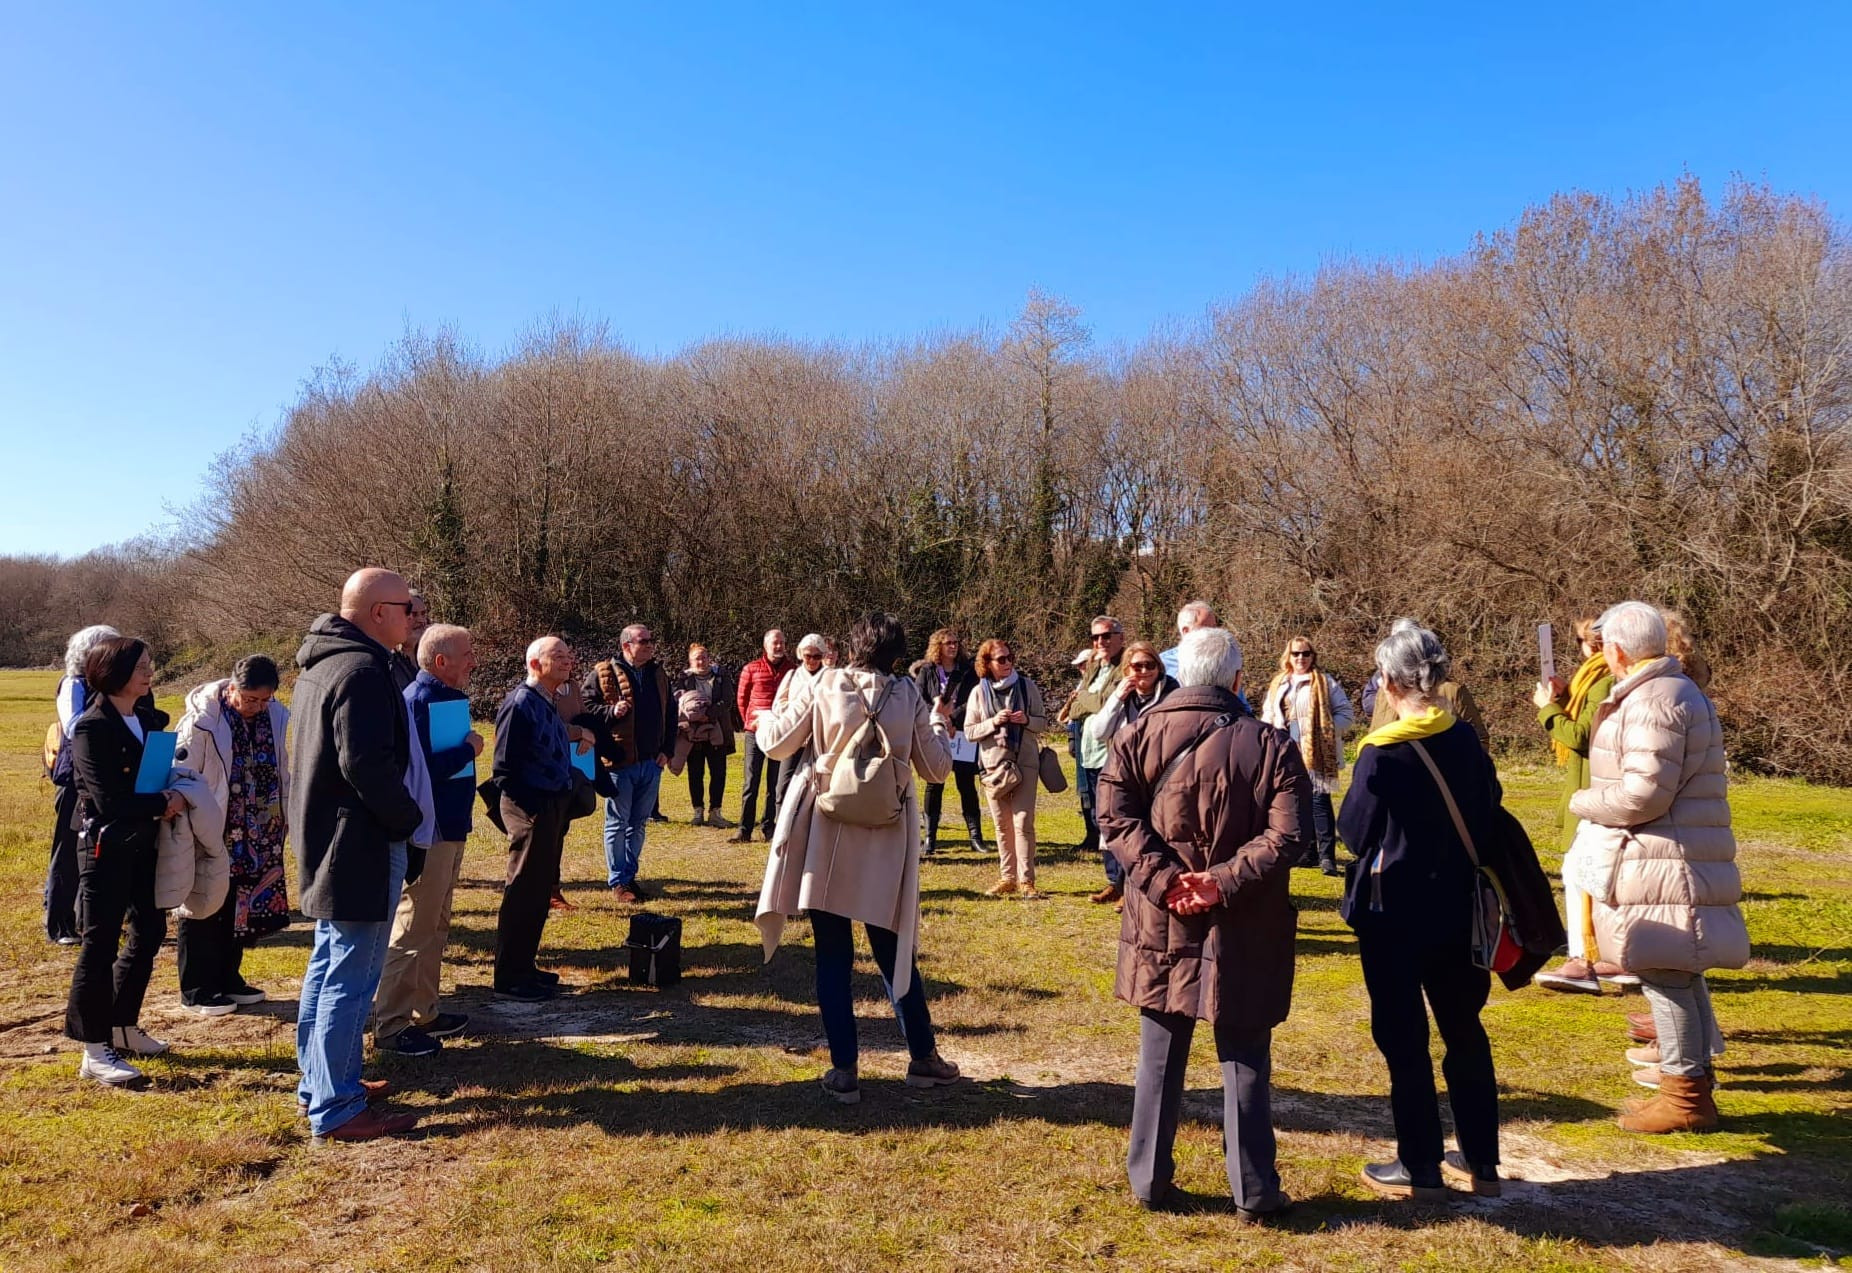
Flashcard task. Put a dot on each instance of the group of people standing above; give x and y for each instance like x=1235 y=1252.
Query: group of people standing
x=1200 y=805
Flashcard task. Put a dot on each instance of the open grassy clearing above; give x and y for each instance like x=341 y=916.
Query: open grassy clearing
x=627 y=1128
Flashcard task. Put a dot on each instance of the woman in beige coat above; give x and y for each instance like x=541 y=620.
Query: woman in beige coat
x=837 y=872
x=1005 y=717
x=1656 y=854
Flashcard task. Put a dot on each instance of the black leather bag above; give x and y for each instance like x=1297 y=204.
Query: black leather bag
x=655 y=945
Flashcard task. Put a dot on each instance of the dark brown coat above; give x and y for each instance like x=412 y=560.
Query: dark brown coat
x=1239 y=807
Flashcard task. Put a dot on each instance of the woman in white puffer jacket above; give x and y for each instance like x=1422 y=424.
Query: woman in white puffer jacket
x=1656 y=853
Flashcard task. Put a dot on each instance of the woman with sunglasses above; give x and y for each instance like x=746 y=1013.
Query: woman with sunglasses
x=1144 y=683
x=1315 y=710
x=1005 y=717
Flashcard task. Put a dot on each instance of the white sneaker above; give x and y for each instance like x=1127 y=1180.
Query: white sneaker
x=246 y=997
x=102 y=1063
x=137 y=1042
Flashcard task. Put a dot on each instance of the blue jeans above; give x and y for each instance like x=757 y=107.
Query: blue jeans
x=836 y=1000
x=626 y=815
x=1087 y=784
x=331 y=1014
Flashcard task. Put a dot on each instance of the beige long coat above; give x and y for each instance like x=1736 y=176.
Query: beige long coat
x=1655 y=842
x=870 y=874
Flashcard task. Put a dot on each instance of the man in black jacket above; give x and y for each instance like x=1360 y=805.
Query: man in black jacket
x=352 y=816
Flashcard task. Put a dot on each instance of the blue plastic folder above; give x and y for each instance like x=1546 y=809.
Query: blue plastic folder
x=583 y=763
x=157 y=762
x=449 y=727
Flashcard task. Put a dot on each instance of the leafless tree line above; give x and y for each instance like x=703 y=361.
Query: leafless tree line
x=1642 y=397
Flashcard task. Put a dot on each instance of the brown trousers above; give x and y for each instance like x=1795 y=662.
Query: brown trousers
x=415 y=957
x=535 y=838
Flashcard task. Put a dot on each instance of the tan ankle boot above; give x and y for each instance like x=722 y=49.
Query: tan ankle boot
x=1683 y=1105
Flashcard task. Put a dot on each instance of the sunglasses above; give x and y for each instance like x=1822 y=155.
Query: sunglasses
x=643 y=641
x=1144 y=667
x=1003 y=658
x=407 y=606
x=1103 y=636
x=1302 y=654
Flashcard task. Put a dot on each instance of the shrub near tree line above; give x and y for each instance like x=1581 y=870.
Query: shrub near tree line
x=1641 y=397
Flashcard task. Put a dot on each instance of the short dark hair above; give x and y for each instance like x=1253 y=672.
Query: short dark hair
x=877 y=642
x=110 y=664
x=255 y=672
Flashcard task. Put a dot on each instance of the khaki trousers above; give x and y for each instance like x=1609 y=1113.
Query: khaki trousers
x=415 y=955
x=1014 y=815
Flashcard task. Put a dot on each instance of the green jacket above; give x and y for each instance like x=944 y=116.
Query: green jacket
x=1575 y=733
x=1090 y=700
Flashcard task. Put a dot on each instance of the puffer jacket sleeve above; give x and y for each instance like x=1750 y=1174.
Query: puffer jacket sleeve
x=1122 y=807
x=1286 y=789
x=1649 y=739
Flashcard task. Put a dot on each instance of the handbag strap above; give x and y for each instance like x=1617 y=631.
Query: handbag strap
x=1446 y=794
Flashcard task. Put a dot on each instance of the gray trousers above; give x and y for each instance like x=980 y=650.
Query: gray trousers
x=1682 y=1016
x=1157 y=1099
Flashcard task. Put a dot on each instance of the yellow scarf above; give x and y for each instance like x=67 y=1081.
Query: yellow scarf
x=1579 y=685
x=1426 y=724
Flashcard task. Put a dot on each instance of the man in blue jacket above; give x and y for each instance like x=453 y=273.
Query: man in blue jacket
x=405 y=1015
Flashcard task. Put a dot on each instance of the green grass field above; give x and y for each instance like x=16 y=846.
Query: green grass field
x=629 y=1128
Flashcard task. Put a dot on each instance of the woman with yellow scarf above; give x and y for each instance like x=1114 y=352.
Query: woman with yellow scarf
x=1315 y=710
x=1567 y=714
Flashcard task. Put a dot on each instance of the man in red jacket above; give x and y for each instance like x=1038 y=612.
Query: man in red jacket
x=758 y=685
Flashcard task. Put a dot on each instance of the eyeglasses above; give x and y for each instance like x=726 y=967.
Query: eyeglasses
x=1144 y=667
x=404 y=605
x=1003 y=658
x=1301 y=654
x=645 y=640
x=1104 y=636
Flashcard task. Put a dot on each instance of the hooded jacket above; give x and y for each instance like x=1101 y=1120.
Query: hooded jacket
x=348 y=801
x=204 y=741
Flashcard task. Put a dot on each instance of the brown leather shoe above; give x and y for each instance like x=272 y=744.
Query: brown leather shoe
x=370 y=1124
x=376 y=1090
x=1640 y=1027
x=1683 y=1105
x=627 y=895
x=1107 y=894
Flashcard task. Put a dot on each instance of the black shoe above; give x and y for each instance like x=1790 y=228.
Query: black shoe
x=741 y=836
x=446 y=1024
x=659 y=816
x=411 y=1041
x=1393 y=1180
x=525 y=992
x=1483 y=1181
x=1167 y=1200
x=1330 y=867
x=1273 y=1203
x=546 y=978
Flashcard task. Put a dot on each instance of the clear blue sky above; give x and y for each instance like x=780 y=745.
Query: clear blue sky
x=199 y=205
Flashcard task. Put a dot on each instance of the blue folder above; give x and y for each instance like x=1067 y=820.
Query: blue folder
x=157 y=762
x=583 y=763
x=449 y=727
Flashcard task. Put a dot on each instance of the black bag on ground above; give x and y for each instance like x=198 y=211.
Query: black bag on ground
x=655 y=945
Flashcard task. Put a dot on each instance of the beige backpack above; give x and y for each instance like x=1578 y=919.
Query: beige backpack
x=866 y=786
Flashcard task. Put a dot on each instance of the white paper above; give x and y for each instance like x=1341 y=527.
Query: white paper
x=1546 y=652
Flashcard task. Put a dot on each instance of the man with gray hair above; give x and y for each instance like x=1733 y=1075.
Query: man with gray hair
x=1206 y=809
x=405 y=1015
x=533 y=772
x=1194 y=615
x=629 y=708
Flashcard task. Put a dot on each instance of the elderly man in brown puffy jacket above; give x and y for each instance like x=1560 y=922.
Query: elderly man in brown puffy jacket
x=1206 y=809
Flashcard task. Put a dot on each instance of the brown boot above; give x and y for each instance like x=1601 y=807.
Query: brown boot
x=1683 y=1105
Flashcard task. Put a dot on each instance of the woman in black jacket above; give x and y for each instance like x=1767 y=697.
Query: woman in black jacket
x=116 y=860
x=1410 y=898
x=946 y=674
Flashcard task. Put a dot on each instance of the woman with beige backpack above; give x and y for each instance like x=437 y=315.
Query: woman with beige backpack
x=847 y=843
x=1005 y=717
